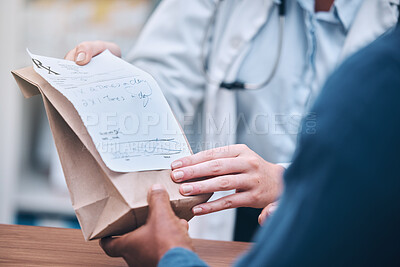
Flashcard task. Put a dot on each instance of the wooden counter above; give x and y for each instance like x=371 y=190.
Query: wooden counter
x=43 y=246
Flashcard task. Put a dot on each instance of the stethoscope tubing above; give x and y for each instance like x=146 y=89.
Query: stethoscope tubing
x=239 y=84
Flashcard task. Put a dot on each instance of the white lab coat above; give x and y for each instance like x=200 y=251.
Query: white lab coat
x=170 y=48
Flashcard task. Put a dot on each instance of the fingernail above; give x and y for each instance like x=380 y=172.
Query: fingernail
x=272 y=209
x=176 y=164
x=186 y=189
x=156 y=187
x=178 y=175
x=197 y=210
x=81 y=57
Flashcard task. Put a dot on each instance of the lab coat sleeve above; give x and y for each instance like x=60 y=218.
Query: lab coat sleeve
x=170 y=48
x=284 y=165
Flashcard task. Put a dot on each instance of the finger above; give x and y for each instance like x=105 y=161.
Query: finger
x=112 y=246
x=85 y=51
x=207 y=155
x=266 y=212
x=184 y=223
x=263 y=216
x=215 y=167
x=159 y=203
x=211 y=185
x=227 y=202
x=71 y=55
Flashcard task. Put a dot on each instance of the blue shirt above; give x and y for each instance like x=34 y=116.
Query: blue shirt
x=269 y=118
x=341 y=205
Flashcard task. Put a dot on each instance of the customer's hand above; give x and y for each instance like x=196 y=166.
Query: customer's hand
x=266 y=212
x=84 y=52
x=162 y=231
x=256 y=181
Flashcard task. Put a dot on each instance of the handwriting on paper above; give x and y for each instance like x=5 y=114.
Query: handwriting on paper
x=109 y=85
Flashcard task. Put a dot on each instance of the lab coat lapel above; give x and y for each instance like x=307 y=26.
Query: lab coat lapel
x=243 y=24
x=220 y=105
x=373 y=19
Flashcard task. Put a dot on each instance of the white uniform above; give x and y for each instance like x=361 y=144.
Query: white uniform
x=243 y=46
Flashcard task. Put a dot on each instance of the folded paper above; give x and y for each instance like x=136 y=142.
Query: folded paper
x=123 y=109
x=107 y=202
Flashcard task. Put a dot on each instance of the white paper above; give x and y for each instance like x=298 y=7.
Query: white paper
x=123 y=109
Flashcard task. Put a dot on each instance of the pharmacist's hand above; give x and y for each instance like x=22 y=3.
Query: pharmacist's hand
x=266 y=212
x=162 y=231
x=256 y=181
x=84 y=52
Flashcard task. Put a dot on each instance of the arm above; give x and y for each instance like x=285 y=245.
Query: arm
x=341 y=200
x=169 y=48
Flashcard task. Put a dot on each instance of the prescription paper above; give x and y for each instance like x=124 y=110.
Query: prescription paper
x=123 y=109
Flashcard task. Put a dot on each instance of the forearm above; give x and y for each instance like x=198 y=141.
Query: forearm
x=176 y=63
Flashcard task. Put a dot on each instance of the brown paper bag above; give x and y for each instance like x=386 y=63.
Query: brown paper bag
x=105 y=202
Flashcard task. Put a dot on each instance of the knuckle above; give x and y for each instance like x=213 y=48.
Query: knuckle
x=186 y=161
x=226 y=204
x=189 y=173
x=199 y=188
x=255 y=197
x=208 y=208
x=82 y=46
x=224 y=184
x=242 y=146
x=99 y=44
x=253 y=162
x=209 y=154
x=215 y=166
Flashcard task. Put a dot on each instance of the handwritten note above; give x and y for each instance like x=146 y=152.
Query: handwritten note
x=123 y=109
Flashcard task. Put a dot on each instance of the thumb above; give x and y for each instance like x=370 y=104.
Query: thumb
x=112 y=246
x=266 y=212
x=159 y=203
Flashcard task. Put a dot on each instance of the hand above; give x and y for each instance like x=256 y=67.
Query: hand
x=84 y=52
x=257 y=182
x=266 y=212
x=162 y=231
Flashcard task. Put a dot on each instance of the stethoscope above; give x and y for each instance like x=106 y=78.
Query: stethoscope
x=240 y=84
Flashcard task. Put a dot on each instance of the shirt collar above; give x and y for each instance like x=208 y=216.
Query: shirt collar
x=344 y=10
x=347 y=11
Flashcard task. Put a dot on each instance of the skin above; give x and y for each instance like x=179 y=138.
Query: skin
x=257 y=182
x=266 y=212
x=162 y=232
x=323 y=5
x=84 y=52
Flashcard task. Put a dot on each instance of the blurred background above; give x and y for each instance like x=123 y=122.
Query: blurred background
x=32 y=186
